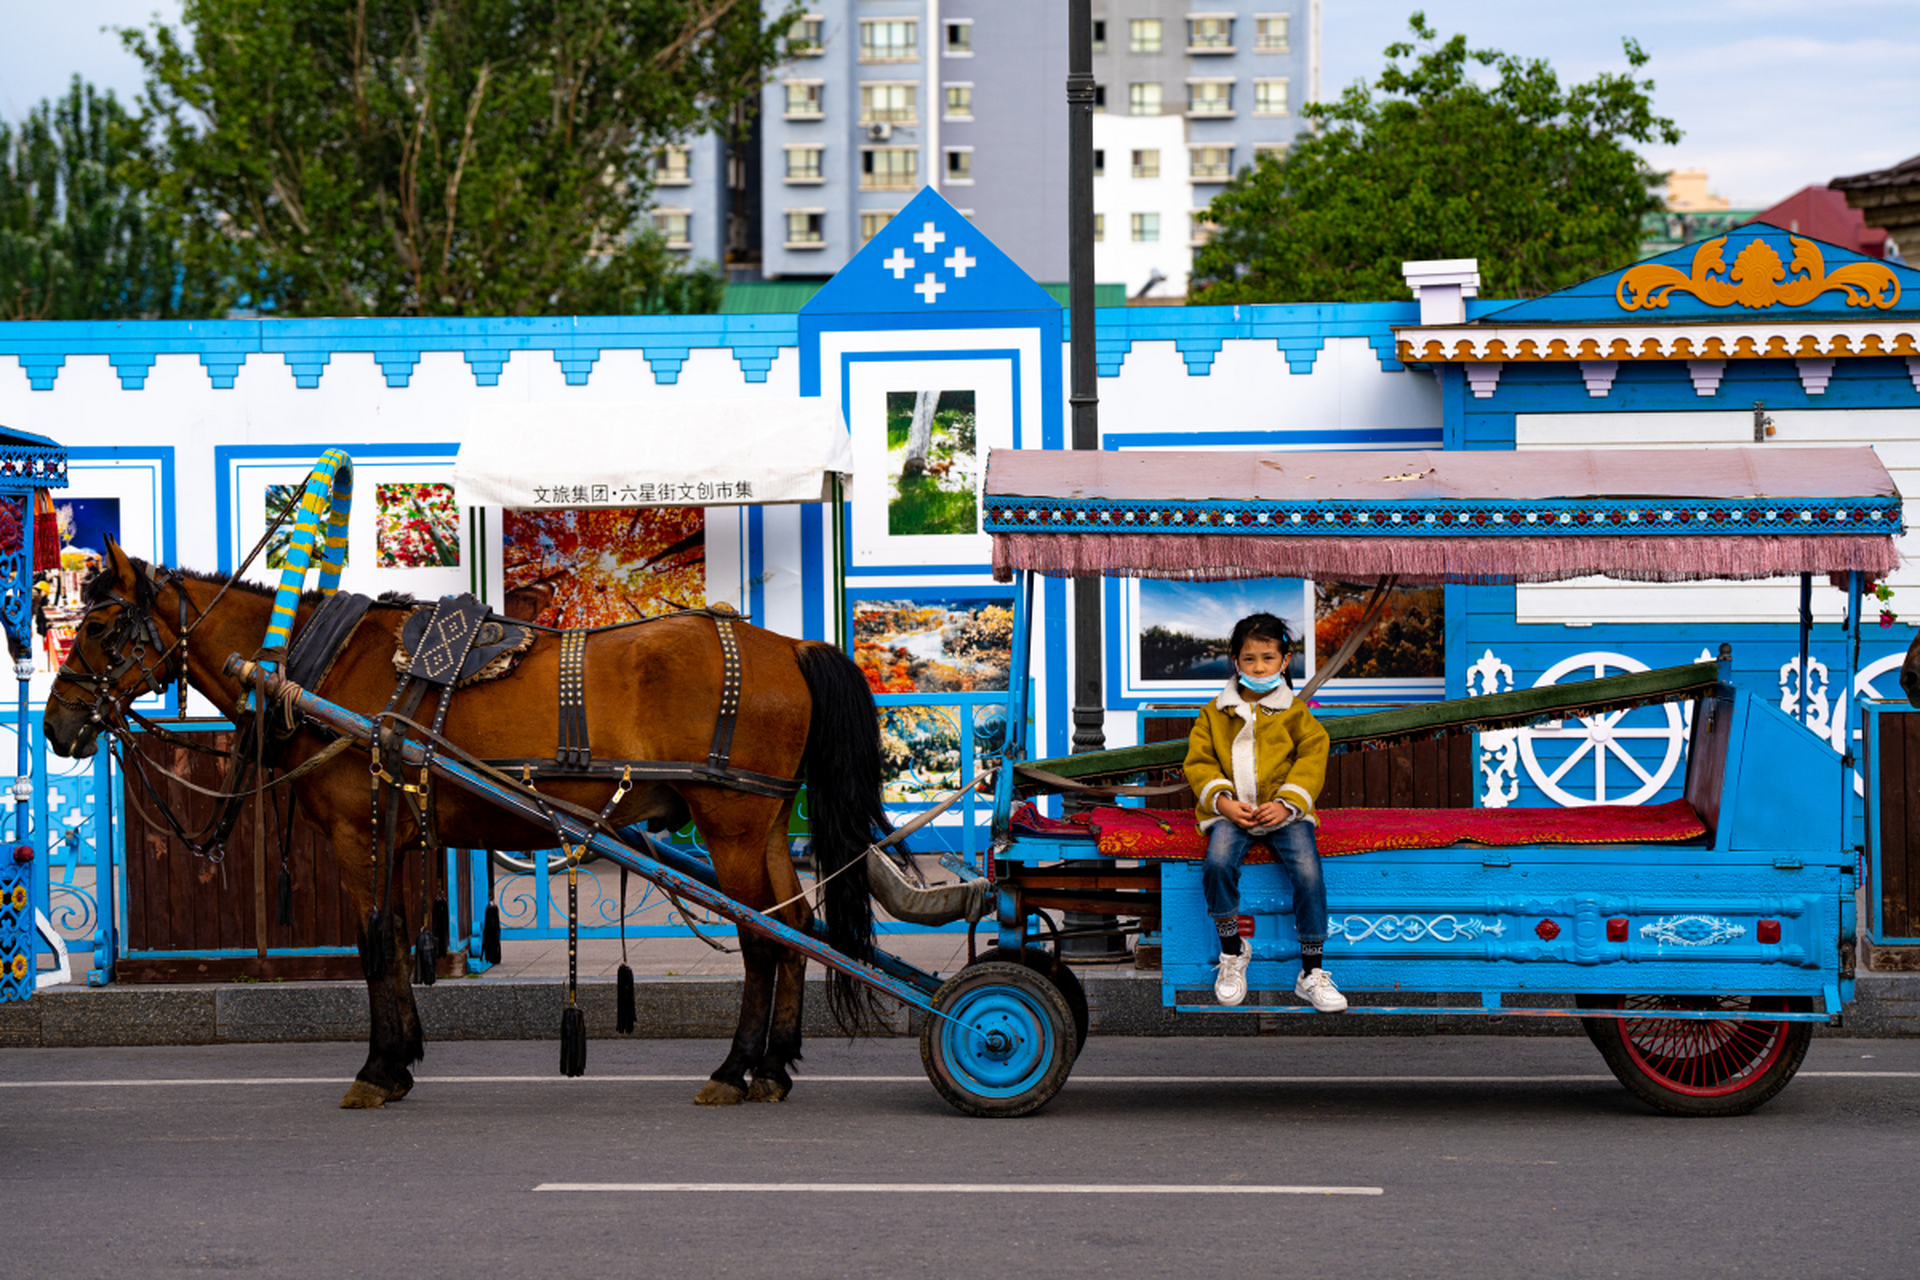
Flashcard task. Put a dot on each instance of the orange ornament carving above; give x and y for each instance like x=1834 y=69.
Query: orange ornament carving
x=1758 y=279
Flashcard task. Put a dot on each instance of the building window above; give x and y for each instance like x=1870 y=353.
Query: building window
x=1143 y=99
x=803 y=164
x=889 y=168
x=1146 y=227
x=959 y=102
x=1099 y=97
x=1143 y=35
x=890 y=40
x=806 y=228
x=1274 y=151
x=889 y=103
x=1211 y=164
x=1202 y=229
x=959 y=39
x=676 y=225
x=1270 y=33
x=959 y=165
x=1269 y=97
x=1209 y=97
x=1146 y=164
x=806 y=38
x=1099 y=162
x=871 y=220
x=1099 y=228
x=803 y=99
x=1210 y=34
x=1099 y=35
x=670 y=167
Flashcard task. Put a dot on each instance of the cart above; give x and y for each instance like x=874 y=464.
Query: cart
x=1698 y=941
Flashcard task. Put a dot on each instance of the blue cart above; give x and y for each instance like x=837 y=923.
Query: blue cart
x=1697 y=961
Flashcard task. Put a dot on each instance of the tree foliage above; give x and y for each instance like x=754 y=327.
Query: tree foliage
x=76 y=242
x=437 y=157
x=1539 y=183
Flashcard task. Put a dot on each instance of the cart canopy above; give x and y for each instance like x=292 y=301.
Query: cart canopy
x=748 y=452
x=1649 y=515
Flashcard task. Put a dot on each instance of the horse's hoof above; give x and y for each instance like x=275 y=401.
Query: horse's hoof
x=769 y=1089
x=717 y=1093
x=362 y=1096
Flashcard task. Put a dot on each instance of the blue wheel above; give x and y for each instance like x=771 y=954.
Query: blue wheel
x=1005 y=1043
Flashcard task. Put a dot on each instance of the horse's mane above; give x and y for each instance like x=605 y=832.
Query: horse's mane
x=104 y=581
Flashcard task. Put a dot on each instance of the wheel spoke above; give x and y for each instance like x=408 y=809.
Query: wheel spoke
x=1570 y=761
x=1630 y=762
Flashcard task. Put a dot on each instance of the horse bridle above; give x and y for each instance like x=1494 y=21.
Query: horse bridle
x=127 y=642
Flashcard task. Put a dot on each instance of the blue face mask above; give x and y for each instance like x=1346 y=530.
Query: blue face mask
x=1267 y=685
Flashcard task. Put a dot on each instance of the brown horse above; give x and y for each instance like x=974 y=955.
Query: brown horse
x=653 y=693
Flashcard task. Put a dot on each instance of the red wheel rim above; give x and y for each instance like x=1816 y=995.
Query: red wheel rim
x=1701 y=1058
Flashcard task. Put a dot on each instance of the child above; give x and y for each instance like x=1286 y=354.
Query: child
x=1256 y=759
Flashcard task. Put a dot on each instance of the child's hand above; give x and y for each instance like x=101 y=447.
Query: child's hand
x=1273 y=813
x=1234 y=811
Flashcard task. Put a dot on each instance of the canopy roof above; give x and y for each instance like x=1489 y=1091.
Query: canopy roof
x=1659 y=515
x=748 y=452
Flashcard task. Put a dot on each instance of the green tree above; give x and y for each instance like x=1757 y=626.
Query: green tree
x=1539 y=183
x=438 y=157
x=76 y=242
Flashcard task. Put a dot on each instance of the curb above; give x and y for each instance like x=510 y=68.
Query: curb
x=1886 y=1005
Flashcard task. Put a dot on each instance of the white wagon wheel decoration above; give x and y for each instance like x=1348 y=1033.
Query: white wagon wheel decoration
x=1600 y=737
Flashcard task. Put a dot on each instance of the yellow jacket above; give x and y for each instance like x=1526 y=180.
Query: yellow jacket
x=1271 y=749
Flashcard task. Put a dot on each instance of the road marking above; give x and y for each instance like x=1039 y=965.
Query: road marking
x=973 y=1188
x=227 y=1082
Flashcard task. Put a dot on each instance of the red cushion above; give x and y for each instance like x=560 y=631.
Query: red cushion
x=1162 y=833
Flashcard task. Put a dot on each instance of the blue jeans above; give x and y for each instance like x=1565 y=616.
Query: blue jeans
x=1293 y=847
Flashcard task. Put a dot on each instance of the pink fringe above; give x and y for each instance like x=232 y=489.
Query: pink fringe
x=1485 y=561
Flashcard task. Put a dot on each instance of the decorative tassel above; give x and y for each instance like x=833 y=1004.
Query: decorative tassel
x=442 y=926
x=490 y=936
x=624 y=1016
x=373 y=947
x=286 y=896
x=573 y=1042
x=423 y=955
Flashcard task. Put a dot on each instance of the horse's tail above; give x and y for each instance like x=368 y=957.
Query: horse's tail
x=843 y=785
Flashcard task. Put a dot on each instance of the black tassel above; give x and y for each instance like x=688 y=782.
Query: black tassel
x=286 y=896
x=623 y=1018
x=573 y=1042
x=490 y=936
x=423 y=954
x=442 y=926
x=373 y=947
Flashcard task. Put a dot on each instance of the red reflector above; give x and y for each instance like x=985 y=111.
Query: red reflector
x=23 y=853
x=1246 y=926
x=1617 y=929
x=1767 y=931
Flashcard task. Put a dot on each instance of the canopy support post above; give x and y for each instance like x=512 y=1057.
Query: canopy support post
x=1806 y=634
x=1089 y=701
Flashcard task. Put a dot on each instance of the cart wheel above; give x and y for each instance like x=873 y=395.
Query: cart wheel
x=1689 y=1067
x=1006 y=1043
x=1055 y=971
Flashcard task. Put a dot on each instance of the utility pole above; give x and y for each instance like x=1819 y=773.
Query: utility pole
x=1089 y=703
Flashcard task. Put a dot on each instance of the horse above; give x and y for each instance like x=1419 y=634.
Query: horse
x=1910 y=673
x=653 y=693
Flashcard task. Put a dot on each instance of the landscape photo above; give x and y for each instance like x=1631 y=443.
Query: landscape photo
x=933 y=646
x=933 y=463
x=1183 y=628
x=591 y=566
x=1408 y=640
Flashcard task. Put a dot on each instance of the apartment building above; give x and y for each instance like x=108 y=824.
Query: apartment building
x=885 y=96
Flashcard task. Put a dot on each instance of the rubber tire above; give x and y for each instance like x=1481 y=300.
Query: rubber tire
x=1031 y=1017
x=1638 y=1070
x=1050 y=966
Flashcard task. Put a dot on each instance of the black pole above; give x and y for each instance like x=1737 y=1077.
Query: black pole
x=1089 y=704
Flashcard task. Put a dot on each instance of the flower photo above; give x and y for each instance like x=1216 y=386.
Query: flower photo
x=417 y=526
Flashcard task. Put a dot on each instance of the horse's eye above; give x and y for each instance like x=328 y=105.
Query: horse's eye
x=96 y=629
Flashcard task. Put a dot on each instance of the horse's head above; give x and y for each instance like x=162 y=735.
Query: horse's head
x=118 y=654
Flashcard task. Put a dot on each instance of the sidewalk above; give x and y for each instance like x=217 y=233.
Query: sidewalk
x=684 y=989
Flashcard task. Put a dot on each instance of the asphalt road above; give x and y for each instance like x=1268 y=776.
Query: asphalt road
x=1454 y=1156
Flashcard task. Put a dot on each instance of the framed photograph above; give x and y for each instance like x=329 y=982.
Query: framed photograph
x=934 y=644
x=1406 y=642
x=1174 y=635
x=594 y=566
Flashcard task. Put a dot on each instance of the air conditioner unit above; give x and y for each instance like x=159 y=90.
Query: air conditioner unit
x=879 y=131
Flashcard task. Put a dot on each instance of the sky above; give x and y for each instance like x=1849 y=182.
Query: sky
x=1772 y=94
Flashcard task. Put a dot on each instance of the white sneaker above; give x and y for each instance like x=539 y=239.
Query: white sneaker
x=1317 y=989
x=1230 y=979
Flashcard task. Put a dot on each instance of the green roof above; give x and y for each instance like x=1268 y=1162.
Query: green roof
x=784 y=297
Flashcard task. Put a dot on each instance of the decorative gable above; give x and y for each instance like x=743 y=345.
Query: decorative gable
x=929 y=260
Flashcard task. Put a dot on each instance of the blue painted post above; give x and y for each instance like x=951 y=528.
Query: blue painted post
x=106 y=936
x=1806 y=633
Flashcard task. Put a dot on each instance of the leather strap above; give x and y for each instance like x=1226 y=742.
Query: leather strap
x=574 y=750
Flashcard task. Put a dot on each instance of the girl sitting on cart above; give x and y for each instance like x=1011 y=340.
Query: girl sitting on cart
x=1256 y=759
